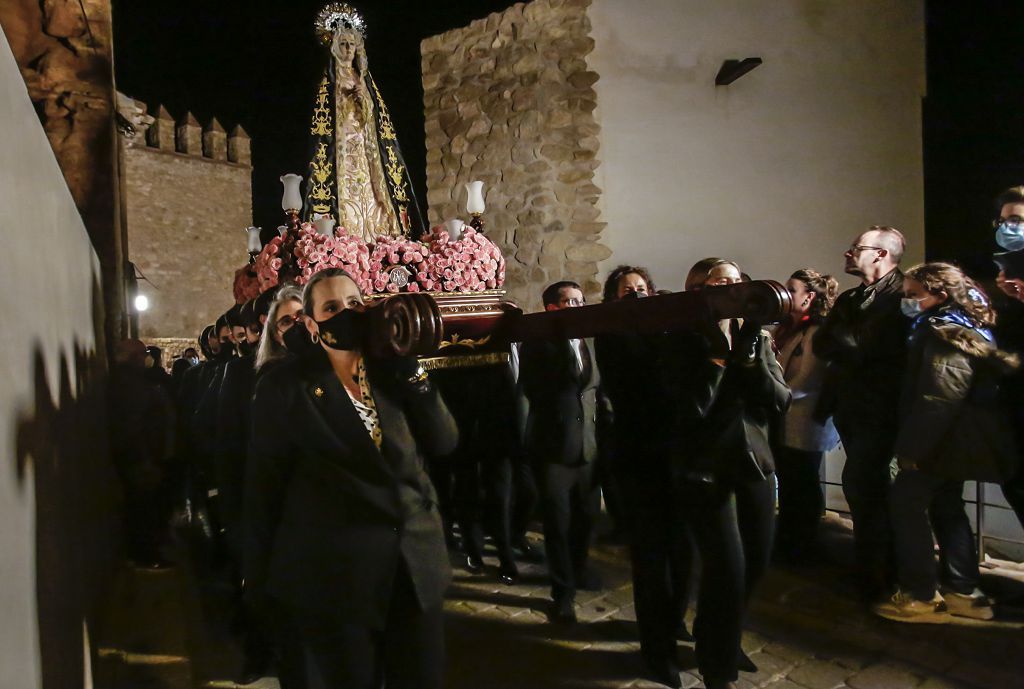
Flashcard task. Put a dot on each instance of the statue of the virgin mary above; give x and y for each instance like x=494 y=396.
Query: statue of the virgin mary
x=356 y=172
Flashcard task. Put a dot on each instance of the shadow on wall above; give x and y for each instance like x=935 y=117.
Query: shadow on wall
x=77 y=502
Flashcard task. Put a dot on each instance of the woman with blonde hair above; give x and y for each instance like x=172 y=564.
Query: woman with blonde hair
x=284 y=314
x=951 y=430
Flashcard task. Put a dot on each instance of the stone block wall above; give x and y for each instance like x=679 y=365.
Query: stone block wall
x=510 y=101
x=188 y=192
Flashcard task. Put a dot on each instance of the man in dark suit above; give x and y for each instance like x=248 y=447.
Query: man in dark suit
x=560 y=381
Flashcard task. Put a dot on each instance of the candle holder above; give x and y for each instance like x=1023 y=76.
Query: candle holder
x=291 y=201
x=475 y=204
x=253 y=243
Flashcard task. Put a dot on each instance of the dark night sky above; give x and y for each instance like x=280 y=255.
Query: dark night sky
x=258 y=67
x=257 y=63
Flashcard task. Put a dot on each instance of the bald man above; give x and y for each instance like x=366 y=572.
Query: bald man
x=864 y=339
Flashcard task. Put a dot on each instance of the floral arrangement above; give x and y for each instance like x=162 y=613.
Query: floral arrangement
x=297 y=256
x=399 y=264
x=246 y=285
x=472 y=263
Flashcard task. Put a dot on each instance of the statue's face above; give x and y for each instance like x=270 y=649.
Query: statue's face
x=344 y=46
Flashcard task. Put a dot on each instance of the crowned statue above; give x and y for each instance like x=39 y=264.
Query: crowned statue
x=356 y=172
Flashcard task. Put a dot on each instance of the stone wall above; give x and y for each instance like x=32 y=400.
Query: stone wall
x=64 y=51
x=188 y=196
x=510 y=101
x=59 y=495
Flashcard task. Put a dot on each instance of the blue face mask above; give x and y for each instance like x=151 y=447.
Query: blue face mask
x=911 y=308
x=1010 y=236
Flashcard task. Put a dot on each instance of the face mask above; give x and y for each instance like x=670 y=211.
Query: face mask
x=911 y=308
x=297 y=340
x=343 y=330
x=194 y=360
x=634 y=295
x=246 y=348
x=1011 y=239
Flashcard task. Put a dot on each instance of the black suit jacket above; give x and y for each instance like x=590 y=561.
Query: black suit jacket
x=560 y=426
x=329 y=517
x=233 y=421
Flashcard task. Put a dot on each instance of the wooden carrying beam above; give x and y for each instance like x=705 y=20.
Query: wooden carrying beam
x=414 y=324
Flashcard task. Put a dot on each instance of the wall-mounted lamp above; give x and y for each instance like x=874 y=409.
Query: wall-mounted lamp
x=141 y=302
x=732 y=70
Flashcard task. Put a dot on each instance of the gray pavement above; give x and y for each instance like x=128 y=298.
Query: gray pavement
x=807 y=631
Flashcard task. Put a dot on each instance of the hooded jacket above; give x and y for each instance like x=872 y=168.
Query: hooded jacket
x=951 y=423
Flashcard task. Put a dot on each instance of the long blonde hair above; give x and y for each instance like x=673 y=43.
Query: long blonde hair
x=269 y=348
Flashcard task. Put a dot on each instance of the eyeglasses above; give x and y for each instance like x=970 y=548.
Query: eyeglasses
x=857 y=248
x=1012 y=223
x=285 y=322
x=575 y=302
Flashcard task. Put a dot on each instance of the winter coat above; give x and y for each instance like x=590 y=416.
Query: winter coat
x=951 y=422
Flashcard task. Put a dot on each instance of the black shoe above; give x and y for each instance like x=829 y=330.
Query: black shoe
x=474 y=563
x=508 y=573
x=527 y=552
x=562 y=611
x=745 y=664
x=683 y=634
x=254 y=668
x=665 y=671
x=589 y=580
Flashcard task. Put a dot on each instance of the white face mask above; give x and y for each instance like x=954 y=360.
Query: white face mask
x=911 y=308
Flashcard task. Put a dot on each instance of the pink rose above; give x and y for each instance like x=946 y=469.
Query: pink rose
x=413 y=287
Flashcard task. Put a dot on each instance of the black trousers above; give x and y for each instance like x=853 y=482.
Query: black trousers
x=525 y=498
x=732 y=524
x=661 y=555
x=866 y=481
x=801 y=500
x=570 y=503
x=407 y=654
x=920 y=503
x=483 y=501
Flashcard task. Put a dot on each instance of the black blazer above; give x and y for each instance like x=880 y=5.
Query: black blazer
x=329 y=517
x=233 y=422
x=560 y=426
x=724 y=413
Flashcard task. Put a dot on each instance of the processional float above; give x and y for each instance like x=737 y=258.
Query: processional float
x=434 y=293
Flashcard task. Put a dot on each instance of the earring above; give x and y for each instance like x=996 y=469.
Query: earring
x=316 y=338
x=806 y=302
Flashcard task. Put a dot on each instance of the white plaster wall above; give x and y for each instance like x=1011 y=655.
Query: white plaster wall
x=779 y=170
x=782 y=168
x=48 y=273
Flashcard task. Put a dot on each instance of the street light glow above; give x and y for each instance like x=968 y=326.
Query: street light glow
x=141 y=302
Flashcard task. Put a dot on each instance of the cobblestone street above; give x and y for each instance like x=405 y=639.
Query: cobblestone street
x=806 y=631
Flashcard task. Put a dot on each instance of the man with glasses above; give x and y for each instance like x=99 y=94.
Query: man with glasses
x=1009 y=234
x=864 y=340
x=560 y=379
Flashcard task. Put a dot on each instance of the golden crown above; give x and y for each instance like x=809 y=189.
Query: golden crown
x=338 y=15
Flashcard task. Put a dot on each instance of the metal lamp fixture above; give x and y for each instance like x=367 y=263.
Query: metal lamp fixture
x=732 y=70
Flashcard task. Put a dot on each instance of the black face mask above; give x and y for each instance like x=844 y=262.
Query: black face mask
x=344 y=330
x=227 y=350
x=634 y=295
x=297 y=340
x=246 y=348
